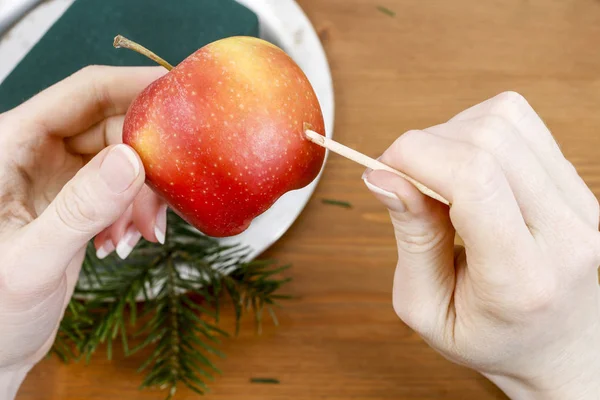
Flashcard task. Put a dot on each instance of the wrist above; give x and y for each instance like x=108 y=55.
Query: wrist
x=10 y=381
x=583 y=387
x=572 y=375
x=568 y=369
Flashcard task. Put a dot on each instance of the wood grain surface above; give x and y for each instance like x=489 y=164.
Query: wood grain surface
x=340 y=338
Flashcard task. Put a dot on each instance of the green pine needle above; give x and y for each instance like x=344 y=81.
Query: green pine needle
x=339 y=203
x=264 y=380
x=177 y=335
x=386 y=11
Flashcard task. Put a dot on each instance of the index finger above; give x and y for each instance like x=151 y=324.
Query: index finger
x=529 y=125
x=87 y=97
x=484 y=209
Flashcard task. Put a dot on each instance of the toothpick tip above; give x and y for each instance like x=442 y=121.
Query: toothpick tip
x=314 y=137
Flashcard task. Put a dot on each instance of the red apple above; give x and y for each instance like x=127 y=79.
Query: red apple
x=221 y=135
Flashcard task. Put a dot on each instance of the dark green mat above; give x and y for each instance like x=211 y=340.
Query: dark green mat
x=84 y=35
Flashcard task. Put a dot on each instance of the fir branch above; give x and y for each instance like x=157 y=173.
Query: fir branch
x=73 y=329
x=179 y=335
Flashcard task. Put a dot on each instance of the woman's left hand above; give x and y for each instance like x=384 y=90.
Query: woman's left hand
x=64 y=180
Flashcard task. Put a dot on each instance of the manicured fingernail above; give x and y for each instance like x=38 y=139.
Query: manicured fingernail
x=380 y=191
x=389 y=199
x=368 y=170
x=120 y=168
x=107 y=248
x=366 y=173
x=160 y=227
x=128 y=242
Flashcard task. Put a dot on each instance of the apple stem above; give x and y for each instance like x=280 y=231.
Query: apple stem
x=123 y=42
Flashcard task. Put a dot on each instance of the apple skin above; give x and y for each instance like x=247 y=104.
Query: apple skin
x=221 y=136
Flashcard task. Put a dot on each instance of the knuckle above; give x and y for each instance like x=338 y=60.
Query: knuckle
x=539 y=295
x=93 y=76
x=496 y=133
x=511 y=105
x=400 y=146
x=495 y=123
x=77 y=213
x=510 y=101
x=586 y=253
x=479 y=171
x=409 y=136
x=419 y=239
x=91 y=71
x=540 y=298
x=405 y=139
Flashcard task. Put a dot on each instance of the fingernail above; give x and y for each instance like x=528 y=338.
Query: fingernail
x=369 y=170
x=160 y=227
x=389 y=199
x=106 y=248
x=120 y=168
x=365 y=174
x=128 y=242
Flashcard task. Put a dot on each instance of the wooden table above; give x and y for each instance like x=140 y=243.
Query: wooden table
x=341 y=339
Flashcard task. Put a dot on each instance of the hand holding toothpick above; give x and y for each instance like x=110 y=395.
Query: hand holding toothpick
x=368 y=162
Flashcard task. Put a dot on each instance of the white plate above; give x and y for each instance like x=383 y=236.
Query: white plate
x=283 y=23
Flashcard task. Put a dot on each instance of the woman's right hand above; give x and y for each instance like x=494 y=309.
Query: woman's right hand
x=520 y=302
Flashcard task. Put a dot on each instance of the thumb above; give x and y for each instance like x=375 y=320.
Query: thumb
x=95 y=198
x=424 y=278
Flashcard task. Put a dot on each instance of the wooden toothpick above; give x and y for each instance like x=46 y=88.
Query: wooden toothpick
x=368 y=162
